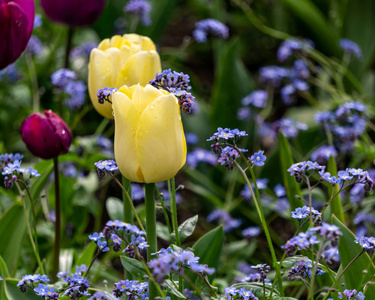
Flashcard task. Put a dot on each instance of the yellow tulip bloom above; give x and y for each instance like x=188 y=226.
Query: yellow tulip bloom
x=150 y=143
x=122 y=60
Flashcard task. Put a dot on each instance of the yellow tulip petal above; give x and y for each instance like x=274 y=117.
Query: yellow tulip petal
x=143 y=96
x=140 y=68
x=126 y=122
x=145 y=42
x=100 y=76
x=160 y=141
x=105 y=44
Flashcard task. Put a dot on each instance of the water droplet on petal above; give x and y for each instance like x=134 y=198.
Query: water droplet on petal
x=152 y=107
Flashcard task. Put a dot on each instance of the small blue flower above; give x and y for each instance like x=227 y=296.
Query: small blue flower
x=96 y=236
x=251 y=232
x=258 y=158
x=140 y=8
x=103 y=246
x=351 y=48
x=210 y=26
x=62 y=77
x=257 y=99
x=279 y=191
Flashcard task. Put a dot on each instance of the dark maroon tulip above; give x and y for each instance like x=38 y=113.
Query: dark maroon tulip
x=46 y=136
x=74 y=13
x=16 y=25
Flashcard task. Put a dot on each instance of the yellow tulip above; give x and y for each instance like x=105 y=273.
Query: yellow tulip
x=122 y=60
x=150 y=143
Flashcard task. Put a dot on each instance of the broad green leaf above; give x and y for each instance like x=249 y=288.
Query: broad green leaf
x=133 y=266
x=87 y=255
x=162 y=231
x=336 y=206
x=317 y=24
x=12 y=234
x=3 y=268
x=187 y=228
x=37 y=185
x=232 y=83
x=115 y=208
x=12 y=292
x=291 y=186
x=208 y=247
x=257 y=288
x=348 y=249
x=169 y=286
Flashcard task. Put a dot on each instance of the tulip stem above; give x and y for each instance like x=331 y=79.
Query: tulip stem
x=151 y=231
x=172 y=201
x=128 y=213
x=68 y=47
x=58 y=219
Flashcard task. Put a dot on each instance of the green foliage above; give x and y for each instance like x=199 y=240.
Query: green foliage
x=186 y=229
x=133 y=266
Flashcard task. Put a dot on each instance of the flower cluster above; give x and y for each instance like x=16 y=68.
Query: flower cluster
x=299 y=170
x=242 y=293
x=367 y=244
x=115 y=233
x=83 y=50
x=104 y=166
x=329 y=232
x=304 y=212
x=350 y=48
x=200 y=155
x=250 y=232
x=132 y=288
x=224 y=218
x=331 y=255
x=350 y=295
x=261 y=185
x=323 y=153
x=76 y=285
x=105 y=94
x=303 y=270
x=178 y=85
x=34 y=46
x=10 y=167
x=292 y=46
x=74 y=90
x=171 y=261
x=141 y=9
x=257 y=99
x=302 y=241
x=29 y=281
x=210 y=26
x=346 y=124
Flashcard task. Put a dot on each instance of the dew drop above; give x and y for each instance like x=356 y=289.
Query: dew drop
x=152 y=107
x=179 y=117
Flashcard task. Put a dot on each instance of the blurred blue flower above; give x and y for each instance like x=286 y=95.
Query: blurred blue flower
x=141 y=9
x=210 y=26
x=351 y=48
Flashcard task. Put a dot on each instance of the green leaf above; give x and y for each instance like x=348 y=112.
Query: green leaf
x=208 y=247
x=336 y=206
x=12 y=292
x=172 y=288
x=291 y=186
x=257 y=288
x=133 y=266
x=162 y=231
x=12 y=233
x=232 y=73
x=87 y=255
x=37 y=185
x=3 y=268
x=292 y=261
x=317 y=24
x=348 y=249
x=115 y=208
x=187 y=228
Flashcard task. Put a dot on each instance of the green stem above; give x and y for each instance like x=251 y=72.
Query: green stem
x=342 y=273
x=164 y=209
x=151 y=231
x=128 y=213
x=68 y=47
x=33 y=244
x=129 y=200
x=172 y=193
x=56 y=260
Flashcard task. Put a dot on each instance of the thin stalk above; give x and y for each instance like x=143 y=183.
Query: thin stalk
x=313 y=271
x=129 y=200
x=164 y=209
x=151 y=231
x=152 y=279
x=68 y=47
x=56 y=259
x=33 y=244
x=194 y=286
x=342 y=273
x=128 y=212
x=92 y=262
x=172 y=192
x=34 y=82
x=207 y=284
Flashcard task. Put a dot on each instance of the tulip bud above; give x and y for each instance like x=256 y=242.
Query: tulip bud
x=150 y=143
x=46 y=136
x=73 y=13
x=122 y=60
x=16 y=23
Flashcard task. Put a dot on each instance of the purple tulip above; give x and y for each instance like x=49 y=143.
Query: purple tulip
x=16 y=25
x=73 y=13
x=46 y=136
